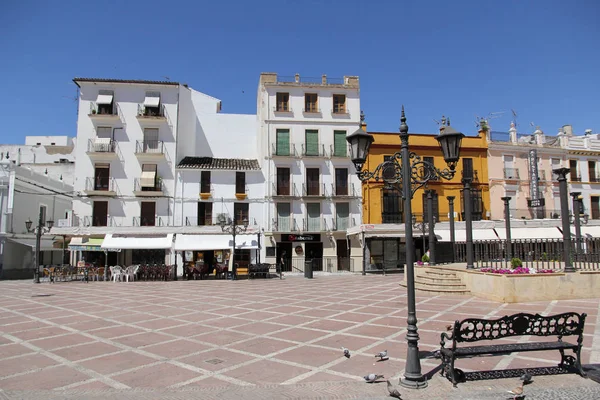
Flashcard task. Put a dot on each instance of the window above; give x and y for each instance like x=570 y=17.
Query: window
x=100 y=213
x=436 y=206
x=240 y=182
x=387 y=158
x=240 y=213
x=467 y=170
x=574 y=174
x=595 y=207
x=341 y=181
x=204 y=213
x=392 y=207
x=105 y=102
x=148 y=213
x=149 y=181
x=342 y=216
x=312 y=181
x=151 y=144
x=283 y=142
x=339 y=103
x=205 y=182
x=283 y=101
x=152 y=104
x=283 y=217
x=102 y=177
x=429 y=160
x=312 y=142
x=313 y=211
x=340 y=145
x=592 y=171
x=283 y=181
x=310 y=102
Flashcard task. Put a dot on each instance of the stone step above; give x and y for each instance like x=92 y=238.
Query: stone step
x=433 y=289
x=435 y=279
x=444 y=286
x=432 y=271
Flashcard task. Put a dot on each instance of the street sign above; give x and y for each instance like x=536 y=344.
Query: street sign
x=531 y=203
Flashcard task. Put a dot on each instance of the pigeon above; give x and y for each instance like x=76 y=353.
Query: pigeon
x=393 y=391
x=526 y=378
x=346 y=352
x=382 y=355
x=517 y=392
x=372 y=378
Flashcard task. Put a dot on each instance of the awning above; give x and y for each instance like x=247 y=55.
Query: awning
x=530 y=233
x=148 y=178
x=104 y=99
x=203 y=242
x=245 y=242
x=587 y=232
x=460 y=235
x=45 y=244
x=152 y=100
x=88 y=244
x=112 y=241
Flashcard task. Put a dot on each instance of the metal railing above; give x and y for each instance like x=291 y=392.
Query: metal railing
x=320 y=152
x=594 y=177
x=149 y=147
x=151 y=112
x=575 y=178
x=285 y=191
x=470 y=174
x=97 y=220
x=311 y=110
x=341 y=225
x=313 y=190
x=104 y=109
x=392 y=217
x=312 y=224
x=287 y=109
x=333 y=153
x=344 y=191
x=199 y=221
x=279 y=152
x=150 y=221
x=324 y=264
x=100 y=184
x=156 y=187
x=101 y=145
x=284 y=224
x=511 y=173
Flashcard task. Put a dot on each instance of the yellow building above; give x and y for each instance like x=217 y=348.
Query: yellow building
x=382 y=206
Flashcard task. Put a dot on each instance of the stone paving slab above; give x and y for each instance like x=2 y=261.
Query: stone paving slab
x=249 y=339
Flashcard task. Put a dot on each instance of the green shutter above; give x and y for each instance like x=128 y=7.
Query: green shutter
x=283 y=142
x=283 y=217
x=314 y=216
x=342 y=216
x=339 y=144
x=312 y=142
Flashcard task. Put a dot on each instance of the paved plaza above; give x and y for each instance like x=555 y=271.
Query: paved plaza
x=250 y=339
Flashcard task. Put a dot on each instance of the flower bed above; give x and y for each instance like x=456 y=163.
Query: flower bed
x=516 y=271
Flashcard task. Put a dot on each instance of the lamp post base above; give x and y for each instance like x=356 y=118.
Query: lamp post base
x=413 y=383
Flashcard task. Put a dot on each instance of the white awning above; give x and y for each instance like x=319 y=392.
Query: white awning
x=587 y=232
x=245 y=242
x=45 y=244
x=148 y=178
x=138 y=242
x=152 y=100
x=460 y=235
x=104 y=99
x=203 y=242
x=530 y=233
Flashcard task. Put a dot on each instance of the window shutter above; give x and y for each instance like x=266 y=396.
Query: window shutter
x=283 y=142
x=339 y=144
x=312 y=142
x=314 y=216
x=342 y=215
x=283 y=217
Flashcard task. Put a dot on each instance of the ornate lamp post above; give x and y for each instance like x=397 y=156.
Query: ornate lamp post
x=409 y=172
x=577 y=219
x=233 y=229
x=564 y=210
x=506 y=201
x=39 y=230
x=452 y=233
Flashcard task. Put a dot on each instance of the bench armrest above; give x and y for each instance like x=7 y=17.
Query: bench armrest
x=445 y=336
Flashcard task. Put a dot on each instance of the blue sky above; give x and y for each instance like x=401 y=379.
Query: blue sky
x=462 y=59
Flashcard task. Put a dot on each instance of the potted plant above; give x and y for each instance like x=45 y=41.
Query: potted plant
x=516 y=263
x=93 y=111
x=425 y=259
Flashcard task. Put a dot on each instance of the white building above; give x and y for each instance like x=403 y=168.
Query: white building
x=23 y=195
x=313 y=194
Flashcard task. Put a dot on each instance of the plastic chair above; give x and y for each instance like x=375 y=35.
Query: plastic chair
x=116 y=273
x=130 y=272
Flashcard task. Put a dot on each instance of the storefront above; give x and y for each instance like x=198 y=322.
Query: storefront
x=141 y=249
x=90 y=251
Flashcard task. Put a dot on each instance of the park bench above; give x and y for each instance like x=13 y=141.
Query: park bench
x=261 y=269
x=475 y=329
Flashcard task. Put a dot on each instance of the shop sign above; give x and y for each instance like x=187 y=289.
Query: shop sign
x=301 y=238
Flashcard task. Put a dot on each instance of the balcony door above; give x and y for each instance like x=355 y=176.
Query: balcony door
x=101 y=176
x=341 y=181
x=313 y=211
x=283 y=181
x=148 y=213
x=283 y=217
x=204 y=213
x=100 y=213
x=151 y=140
x=312 y=181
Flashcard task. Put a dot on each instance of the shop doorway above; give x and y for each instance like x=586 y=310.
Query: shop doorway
x=314 y=254
x=343 y=261
x=284 y=250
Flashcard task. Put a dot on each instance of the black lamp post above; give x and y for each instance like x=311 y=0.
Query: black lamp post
x=577 y=219
x=422 y=226
x=564 y=210
x=431 y=221
x=452 y=233
x=506 y=201
x=233 y=229
x=39 y=230
x=468 y=220
x=407 y=171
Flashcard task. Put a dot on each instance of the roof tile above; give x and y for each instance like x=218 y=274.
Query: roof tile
x=236 y=164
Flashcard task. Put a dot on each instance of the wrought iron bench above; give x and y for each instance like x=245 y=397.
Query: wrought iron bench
x=522 y=324
x=259 y=269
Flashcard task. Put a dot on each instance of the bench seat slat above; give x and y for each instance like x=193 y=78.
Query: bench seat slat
x=509 y=348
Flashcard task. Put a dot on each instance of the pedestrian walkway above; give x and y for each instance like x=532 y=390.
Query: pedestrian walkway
x=262 y=338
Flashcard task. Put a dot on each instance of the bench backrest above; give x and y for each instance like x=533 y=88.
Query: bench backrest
x=475 y=329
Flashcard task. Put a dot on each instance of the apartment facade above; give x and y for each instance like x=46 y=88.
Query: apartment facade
x=313 y=194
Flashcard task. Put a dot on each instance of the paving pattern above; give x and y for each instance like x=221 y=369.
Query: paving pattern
x=255 y=339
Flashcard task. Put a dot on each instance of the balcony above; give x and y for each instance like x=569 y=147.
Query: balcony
x=284 y=224
x=341 y=224
x=150 y=221
x=312 y=112
x=206 y=191
x=344 y=191
x=284 y=151
x=150 y=150
x=151 y=114
x=314 y=225
x=318 y=152
x=104 y=112
x=392 y=217
x=511 y=174
x=284 y=111
x=594 y=177
x=285 y=191
x=575 y=177
x=470 y=174
x=196 y=221
x=313 y=190
x=97 y=220
x=339 y=154
x=100 y=186
x=102 y=149
x=142 y=188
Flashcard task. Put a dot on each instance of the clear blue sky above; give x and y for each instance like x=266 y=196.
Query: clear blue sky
x=466 y=58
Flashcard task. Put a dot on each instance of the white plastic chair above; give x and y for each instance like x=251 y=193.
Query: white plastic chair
x=116 y=273
x=130 y=272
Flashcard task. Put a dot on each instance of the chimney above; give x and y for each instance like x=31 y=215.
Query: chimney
x=323 y=79
x=568 y=130
x=19 y=156
x=539 y=135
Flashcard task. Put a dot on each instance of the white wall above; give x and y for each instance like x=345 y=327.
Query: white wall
x=48 y=141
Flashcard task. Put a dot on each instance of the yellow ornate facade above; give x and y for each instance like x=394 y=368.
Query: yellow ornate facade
x=385 y=206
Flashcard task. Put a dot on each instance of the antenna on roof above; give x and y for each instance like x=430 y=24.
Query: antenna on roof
x=514 y=113
x=166 y=78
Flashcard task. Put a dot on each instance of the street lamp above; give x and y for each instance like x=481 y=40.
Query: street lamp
x=39 y=230
x=506 y=201
x=407 y=171
x=577 y=219
x=422 y=226
x=564 y=211
x=233 y=229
